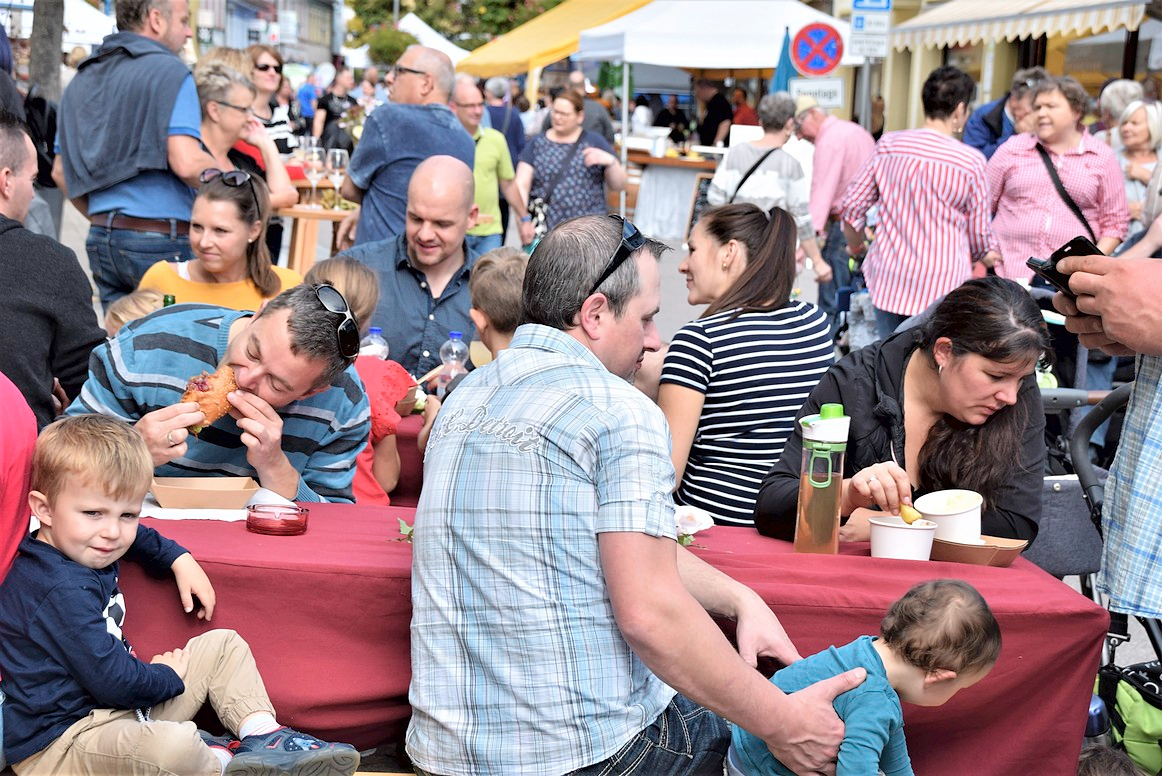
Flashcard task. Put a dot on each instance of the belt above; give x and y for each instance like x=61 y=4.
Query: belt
x=164 y=226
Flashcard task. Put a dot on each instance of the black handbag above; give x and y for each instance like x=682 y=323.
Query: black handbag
x=539 y=206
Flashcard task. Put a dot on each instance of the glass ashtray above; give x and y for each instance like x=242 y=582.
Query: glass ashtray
x=277 y=519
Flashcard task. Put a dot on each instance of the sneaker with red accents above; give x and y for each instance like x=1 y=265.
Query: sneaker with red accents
x=287 y=752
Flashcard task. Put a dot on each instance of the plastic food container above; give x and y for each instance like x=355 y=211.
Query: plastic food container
x=891 y=537
x=277 y=519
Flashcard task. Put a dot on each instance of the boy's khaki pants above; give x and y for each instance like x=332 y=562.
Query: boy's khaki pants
x=114 y=743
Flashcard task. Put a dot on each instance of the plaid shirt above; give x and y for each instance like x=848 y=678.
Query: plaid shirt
x=1029 y=216
x=1132 y=552
x=518 y=666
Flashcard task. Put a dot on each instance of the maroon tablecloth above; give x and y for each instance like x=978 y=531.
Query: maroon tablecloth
x=327 y=615
x=1027 y=716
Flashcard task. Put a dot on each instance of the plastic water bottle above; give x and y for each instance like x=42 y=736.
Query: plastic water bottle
x=374 y=344
x=454 y=356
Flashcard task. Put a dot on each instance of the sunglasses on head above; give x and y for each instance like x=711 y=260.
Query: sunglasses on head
x=233 y=178
x=631 y=242
x=264 y=68
x=347 y=332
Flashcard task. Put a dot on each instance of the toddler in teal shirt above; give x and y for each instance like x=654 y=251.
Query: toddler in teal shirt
x=939 y=638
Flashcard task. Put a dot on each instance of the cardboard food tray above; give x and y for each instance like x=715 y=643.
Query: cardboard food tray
x=203 y=492
x=996 y=551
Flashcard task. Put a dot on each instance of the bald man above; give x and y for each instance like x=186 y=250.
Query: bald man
x=398 y=136
x=423 y=273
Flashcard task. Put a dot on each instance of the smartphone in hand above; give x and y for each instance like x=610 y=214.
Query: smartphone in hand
x=1047 y=268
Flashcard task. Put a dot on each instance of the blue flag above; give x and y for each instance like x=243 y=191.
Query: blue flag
x=781 y=82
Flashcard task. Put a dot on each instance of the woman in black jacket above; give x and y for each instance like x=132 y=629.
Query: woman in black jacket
x=964 y=413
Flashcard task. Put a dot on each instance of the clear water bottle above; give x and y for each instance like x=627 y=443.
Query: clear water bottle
x=454 y=357
x=374 y=344
x=821 y=480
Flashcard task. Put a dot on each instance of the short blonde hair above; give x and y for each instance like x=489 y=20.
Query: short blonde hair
x=236 y=59
x=356 y=281
x=495 y=287
x=132 y=306
x=1153 y=119
x=97 y=450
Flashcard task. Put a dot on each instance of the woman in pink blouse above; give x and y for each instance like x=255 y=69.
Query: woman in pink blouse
x=1030 y=218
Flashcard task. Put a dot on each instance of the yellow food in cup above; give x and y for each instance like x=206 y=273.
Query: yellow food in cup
x=909 y=514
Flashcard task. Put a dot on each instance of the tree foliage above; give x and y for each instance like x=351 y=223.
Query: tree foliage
x=385 y=44
x=467 y=23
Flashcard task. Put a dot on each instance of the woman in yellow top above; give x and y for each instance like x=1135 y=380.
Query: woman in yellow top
x=231 y=265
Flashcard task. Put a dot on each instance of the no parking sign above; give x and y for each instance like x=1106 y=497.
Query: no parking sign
x=817 y=49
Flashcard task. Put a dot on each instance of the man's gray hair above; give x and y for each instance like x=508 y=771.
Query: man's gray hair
x=567 y=263
x=215 y=82
x=133 y=14
x=1024 y=80
x=496 y=87
x=314 y=330
x=13 y=151
x=439 y=66
x=775 y=110
x=1117 y=96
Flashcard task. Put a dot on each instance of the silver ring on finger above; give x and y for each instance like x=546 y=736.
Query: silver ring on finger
x=169 y=439
x=872 y=478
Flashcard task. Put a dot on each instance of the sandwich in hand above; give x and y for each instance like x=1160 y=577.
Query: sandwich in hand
x=209 y=391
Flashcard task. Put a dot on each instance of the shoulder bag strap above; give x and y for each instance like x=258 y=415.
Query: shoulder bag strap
x=561 y=172
x=1068 y=200
x=748 y=173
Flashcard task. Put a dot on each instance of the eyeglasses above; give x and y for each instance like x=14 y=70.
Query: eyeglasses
x=347 y=332
x=233 y=178
x=631 y=242
x=397 y=69
x=470 y=105
x=265 y=67
x=244 y=108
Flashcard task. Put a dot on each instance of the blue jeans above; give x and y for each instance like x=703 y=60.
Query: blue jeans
x=479 y=245
x=835 y=254
x=119 y=257
x=686 y=740
x=887 y=322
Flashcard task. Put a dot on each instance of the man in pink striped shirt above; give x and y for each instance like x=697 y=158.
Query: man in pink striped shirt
x=840 y=150
x=933 y=206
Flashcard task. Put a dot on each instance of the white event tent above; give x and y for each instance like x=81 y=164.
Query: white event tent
x=719 y=36
x=84 y=25
x=418 y=29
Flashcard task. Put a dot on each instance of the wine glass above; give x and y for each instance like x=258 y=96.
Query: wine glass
x=337 y=159
x=313 y=164
x=305 y=142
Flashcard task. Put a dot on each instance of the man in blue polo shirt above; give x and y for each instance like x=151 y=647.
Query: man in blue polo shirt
x=397 y=137
x=129 y=145
x=423 y=273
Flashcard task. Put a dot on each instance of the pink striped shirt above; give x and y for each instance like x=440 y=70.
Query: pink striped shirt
x=934 y=218
x=1029 y=216
x=841 y=147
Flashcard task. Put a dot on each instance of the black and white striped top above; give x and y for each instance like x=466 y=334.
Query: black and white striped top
x=756 y=371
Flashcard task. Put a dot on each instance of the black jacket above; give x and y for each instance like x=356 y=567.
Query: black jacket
x=869 y=383
x=46 y=312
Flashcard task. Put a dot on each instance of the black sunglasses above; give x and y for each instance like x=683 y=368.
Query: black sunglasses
x=233 y=178
x=348 y=331
x=264 y=68
x=631 y=242
x=397 y=69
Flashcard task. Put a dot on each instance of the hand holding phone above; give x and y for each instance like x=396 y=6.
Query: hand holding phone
x=1046 y=269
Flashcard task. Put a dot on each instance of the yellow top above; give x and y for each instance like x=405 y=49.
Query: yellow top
x=239 y=295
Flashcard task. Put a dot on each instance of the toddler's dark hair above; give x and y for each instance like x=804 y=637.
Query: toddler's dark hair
x=1104 y=761
x=943 y=624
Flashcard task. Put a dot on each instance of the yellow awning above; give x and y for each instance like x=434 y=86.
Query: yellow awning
x=550 y=37
x=964 y=22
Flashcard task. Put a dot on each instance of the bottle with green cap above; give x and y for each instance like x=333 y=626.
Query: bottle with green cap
x=167 y=300
x=821 y=480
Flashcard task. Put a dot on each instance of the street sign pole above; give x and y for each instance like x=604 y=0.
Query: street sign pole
x=871 y=25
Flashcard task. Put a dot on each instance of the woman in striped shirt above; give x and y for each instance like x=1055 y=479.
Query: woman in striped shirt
x=933 y=206
x=734 y=379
